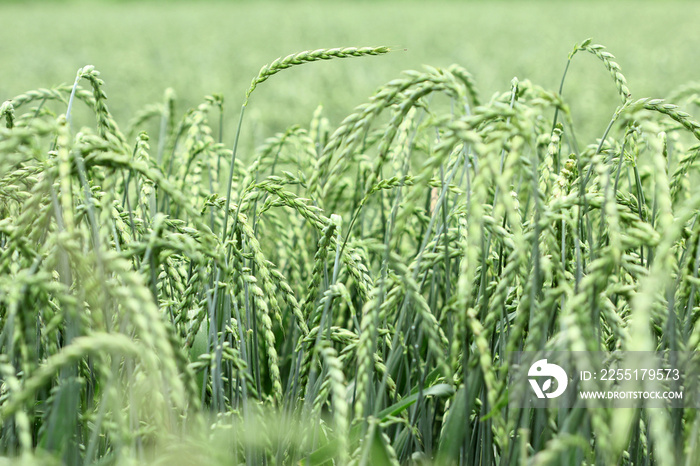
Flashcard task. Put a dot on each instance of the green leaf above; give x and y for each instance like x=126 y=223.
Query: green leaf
x=327 y=452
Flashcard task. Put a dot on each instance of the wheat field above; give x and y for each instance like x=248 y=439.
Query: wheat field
x=343 y=293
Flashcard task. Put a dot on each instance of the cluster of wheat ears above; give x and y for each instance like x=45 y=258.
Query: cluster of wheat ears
x=347 y=295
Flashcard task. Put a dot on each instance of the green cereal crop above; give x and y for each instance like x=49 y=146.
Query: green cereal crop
x=345 y=295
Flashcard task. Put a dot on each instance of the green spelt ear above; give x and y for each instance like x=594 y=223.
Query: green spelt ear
x=307 y=57
x=610 y=65
x=7 y=110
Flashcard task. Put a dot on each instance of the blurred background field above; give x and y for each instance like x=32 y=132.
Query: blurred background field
x=200 y=48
